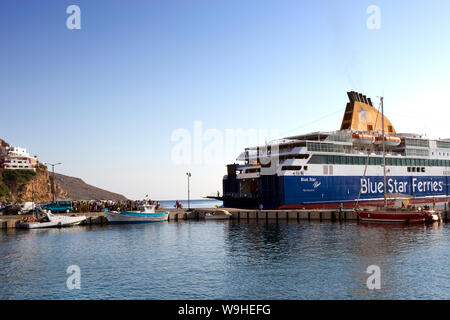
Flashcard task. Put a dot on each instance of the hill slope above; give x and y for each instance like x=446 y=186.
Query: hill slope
x=77 y=189
x=18 y=186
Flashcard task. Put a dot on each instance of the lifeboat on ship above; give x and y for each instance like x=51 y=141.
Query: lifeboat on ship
x=388 y=140
x=363 y=138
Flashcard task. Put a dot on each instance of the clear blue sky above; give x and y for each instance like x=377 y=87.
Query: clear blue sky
x=105 y=100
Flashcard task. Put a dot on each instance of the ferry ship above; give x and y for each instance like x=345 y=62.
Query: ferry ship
x=331 y=170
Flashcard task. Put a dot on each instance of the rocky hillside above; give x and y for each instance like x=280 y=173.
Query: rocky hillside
x=77 y=189
x=25 y=185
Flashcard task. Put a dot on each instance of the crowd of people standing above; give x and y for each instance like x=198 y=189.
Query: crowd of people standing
x=100 y=206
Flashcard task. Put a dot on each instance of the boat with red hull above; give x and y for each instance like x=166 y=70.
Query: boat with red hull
x=393 y=215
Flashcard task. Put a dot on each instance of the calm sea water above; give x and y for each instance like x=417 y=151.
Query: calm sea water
x=227 y=260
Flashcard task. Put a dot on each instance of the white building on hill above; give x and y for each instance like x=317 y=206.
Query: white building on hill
x=16 y=158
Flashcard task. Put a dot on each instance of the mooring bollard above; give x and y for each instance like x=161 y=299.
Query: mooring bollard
x=445 y=213
x=333 y=216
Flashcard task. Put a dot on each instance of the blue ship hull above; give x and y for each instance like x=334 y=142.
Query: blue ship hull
x=289 y=192
x=319 y=189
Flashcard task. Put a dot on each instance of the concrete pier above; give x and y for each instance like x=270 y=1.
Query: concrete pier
x=95 y=218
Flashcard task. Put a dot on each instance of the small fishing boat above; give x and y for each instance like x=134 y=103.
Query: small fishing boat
x=218 y=215
x=50 y=220
x=145 y=214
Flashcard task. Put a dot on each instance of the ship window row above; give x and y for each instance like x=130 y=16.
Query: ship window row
x=417 y=143
x=340 y=137
x=294 y=156
x=346 y=160
x=293 y=168
x=417 y=152
x=416 y=169
x=443 y=144
x=324 y=147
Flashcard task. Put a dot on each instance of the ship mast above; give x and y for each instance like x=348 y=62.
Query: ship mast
x=384 y=152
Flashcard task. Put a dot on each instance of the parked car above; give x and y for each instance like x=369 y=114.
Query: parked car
x=58 y=206
x=11 y=209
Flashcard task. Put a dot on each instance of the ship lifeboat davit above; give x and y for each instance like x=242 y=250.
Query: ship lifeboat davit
x=388 y=140
x=363 y=138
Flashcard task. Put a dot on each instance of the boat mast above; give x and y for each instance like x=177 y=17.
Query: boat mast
x=384 y=152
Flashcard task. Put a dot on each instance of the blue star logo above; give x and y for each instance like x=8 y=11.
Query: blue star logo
x=362 y=113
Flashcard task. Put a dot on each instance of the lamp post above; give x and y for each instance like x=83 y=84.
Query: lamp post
x=189 y=203
x=53 y=176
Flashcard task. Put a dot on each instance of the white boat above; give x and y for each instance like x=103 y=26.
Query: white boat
x=218 y=215
x=145 y=214
x=53 y=221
